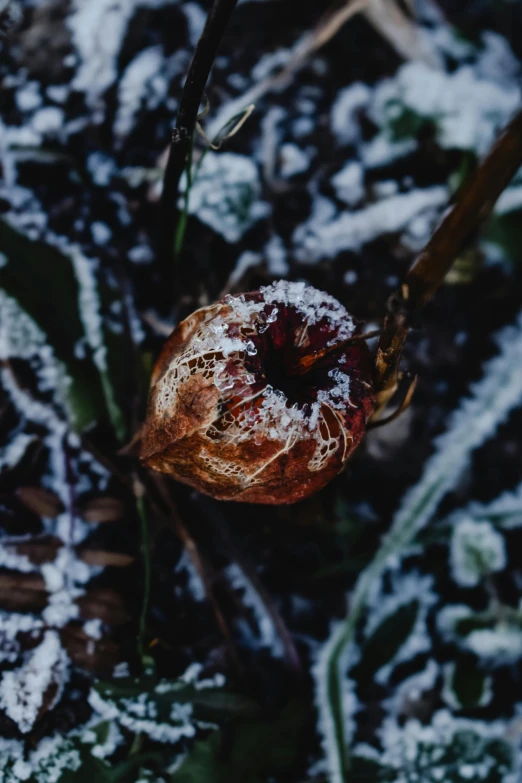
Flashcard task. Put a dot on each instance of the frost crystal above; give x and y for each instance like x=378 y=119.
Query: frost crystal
x=477 y=550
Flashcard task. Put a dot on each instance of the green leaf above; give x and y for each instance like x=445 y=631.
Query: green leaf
x=387 y=639
x=468 y=684
x=258 y=749
x=45 y=284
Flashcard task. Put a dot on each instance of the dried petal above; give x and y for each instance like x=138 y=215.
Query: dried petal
x=21 y=592
x=102 y=557
x=105 y=509
x=38 y=550
x=40 y=501
x=103 y=604
x=238 y=410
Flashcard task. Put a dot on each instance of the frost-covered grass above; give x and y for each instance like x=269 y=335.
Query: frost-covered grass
x=490 y=402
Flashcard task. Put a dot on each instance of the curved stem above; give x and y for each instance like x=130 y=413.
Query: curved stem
x=473 y=205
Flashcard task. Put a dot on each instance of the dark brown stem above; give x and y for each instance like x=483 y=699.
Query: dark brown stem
x=183 y=131
x=473 y=205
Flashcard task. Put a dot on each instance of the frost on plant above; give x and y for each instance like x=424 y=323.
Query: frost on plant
x=477 y=550
x=226 y=194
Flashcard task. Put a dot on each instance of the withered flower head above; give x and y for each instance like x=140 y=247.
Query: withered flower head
x=252 y=401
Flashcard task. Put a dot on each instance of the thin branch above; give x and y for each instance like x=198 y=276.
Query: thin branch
x=473 y=205
x=278 y=79
x=202 y=567
x=221 y=527
x=190 y=102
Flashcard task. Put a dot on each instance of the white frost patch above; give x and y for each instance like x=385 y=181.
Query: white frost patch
x=11 y=625
x=476 y=550
x=142 y=85
x=246 y=260
x=351 y=231
x=101 y=233
x=48 y=121
x=468 y=110
x=22 y=691
x=495 y=639
x=267 y=633
x=500 y=645
x=349 y=183
x=93 y=628
x=276 y=257
x=293 y=160
x=14 y=450
x=227 y=194
x=28 y=97
x=505 y=511
x=97 y=31
x=195 y=583
x=509 y=201
x=196 y=18
x=349 y=102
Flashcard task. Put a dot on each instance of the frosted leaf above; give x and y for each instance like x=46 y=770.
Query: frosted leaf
x=450 y=691
x=21 y=338
x=226 y=194
x=467 y=108
x=447 y=750
x=162 y=710
x=37 y=684
x=406 y=591
x=495 y=638
x=325 y=236
x=265 y=633
x=476 y=550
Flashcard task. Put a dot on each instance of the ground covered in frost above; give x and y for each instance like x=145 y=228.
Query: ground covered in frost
x=373 y=632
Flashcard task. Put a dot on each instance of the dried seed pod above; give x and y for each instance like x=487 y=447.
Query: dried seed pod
x=260 y=397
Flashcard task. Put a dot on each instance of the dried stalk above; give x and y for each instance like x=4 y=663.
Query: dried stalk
x=183 y=131
x=384 y=15
x=473 y=205
x=401 y=32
